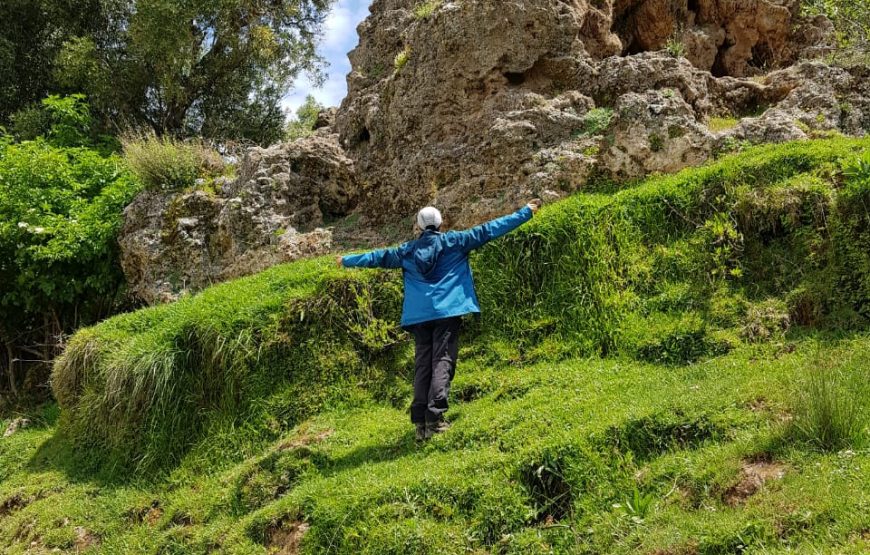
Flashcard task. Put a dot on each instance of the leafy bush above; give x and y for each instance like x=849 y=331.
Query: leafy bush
x=167 y=164
x=60 y=212
x=63 y=122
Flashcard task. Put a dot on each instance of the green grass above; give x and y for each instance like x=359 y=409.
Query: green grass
x=583 y=455
x=719 y=124
x=637 y=352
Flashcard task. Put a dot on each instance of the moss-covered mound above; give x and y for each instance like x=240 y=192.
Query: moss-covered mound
x=675 y=270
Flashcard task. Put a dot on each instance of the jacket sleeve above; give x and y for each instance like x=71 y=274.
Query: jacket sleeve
x=381 y=258
x=480 y=235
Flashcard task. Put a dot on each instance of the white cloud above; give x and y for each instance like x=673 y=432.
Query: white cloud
x=339 y=38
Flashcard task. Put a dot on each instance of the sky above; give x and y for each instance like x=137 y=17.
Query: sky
x=339 y=38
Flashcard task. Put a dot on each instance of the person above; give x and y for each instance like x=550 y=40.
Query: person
x=439 y=290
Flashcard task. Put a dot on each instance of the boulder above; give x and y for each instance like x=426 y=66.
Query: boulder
x=656 y=131
x=174 y=242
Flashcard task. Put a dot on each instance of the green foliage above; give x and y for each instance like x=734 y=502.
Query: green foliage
x=675 y=47
x=402 y=58
x=425 y=8
x=597 y=120
x=306 y=117
x=720 y=124
x=851 y=19
x=832 y=404
x=32 y=33
x=60 y=212
x=167 y=164
x=211 y=68
x=62 y=121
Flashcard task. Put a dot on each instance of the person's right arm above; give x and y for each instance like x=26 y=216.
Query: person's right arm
x=480 y=235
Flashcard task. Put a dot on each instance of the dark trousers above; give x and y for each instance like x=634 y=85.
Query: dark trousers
x=437 y=346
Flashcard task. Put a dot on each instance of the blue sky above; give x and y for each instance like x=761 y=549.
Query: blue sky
x=339 y=38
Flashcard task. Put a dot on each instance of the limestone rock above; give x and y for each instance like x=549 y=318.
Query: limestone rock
x=15 y=425
x=481 y=105
x=655 y=132
x=183 y=241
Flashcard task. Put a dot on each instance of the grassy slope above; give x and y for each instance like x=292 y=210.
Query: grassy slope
x=278 y=399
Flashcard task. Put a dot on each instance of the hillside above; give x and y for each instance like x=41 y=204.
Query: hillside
x=670 y=368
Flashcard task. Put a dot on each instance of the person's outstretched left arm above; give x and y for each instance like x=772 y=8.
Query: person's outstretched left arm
x=381 y=258
x=480 y=235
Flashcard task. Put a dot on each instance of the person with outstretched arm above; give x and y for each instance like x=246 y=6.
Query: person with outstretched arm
x=439 y=290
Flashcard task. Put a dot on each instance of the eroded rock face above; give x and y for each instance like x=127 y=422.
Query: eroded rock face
x=478 y=108
x=655 y=132
x=481 y=105
x=177 y=242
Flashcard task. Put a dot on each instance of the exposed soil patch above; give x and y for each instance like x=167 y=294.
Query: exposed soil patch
x=304 y=439
x=754 y=474
x=150 y=514
x=153 y=516
x=13 y=503
x=85 y=539
x=285 y=538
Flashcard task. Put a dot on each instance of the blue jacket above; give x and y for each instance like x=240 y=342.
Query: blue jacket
x=438 y=282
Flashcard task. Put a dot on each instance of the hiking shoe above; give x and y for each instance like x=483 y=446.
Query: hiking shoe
x=423 y=432
x=437 y=427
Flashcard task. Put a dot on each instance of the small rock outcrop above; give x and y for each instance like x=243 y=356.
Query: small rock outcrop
x=272 y=212
x=477 y=105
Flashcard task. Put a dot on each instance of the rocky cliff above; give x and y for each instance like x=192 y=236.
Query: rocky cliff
x=476 y=105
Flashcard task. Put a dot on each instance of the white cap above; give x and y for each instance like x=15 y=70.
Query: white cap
x=429 y=216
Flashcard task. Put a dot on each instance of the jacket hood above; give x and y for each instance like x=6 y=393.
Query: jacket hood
x=427 y=251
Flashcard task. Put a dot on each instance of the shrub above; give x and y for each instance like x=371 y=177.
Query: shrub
x=675 y=47
x=60 y=212
x=426 y=8
x=402 y=58
x=167 y=164
x=597 y=120
x=831 y=404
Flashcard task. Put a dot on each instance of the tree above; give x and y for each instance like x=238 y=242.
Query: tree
x=306 y=116
x=216 y=68
x=32 y=33
x=851 y=19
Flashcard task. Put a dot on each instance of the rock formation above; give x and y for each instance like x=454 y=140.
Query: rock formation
x=477 y=105
x=271 y=213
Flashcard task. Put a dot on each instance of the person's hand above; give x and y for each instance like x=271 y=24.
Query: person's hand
x=339 y=261
x=535 y=205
